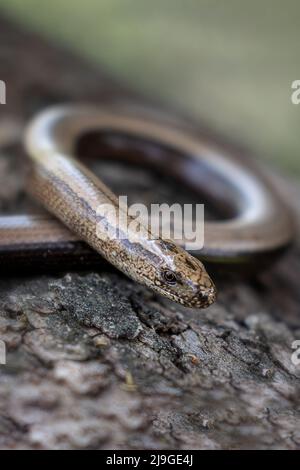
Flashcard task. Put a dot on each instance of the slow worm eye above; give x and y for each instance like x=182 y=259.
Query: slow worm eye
x=169 y=276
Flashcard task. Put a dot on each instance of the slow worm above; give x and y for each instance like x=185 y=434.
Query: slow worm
x=259 y=224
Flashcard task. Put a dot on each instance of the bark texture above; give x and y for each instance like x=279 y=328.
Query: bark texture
x=96 y=361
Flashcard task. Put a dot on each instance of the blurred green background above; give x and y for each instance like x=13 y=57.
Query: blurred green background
x=229 y=62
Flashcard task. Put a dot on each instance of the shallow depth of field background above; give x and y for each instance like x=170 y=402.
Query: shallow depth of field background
x=229 y=62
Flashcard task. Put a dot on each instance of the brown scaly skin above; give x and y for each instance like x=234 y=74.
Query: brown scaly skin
x=190 y=286
x=159 y=264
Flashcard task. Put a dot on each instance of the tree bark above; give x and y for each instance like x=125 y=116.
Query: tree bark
x=96 y=361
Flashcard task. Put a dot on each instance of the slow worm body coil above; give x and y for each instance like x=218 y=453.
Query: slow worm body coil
x=259 y=223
